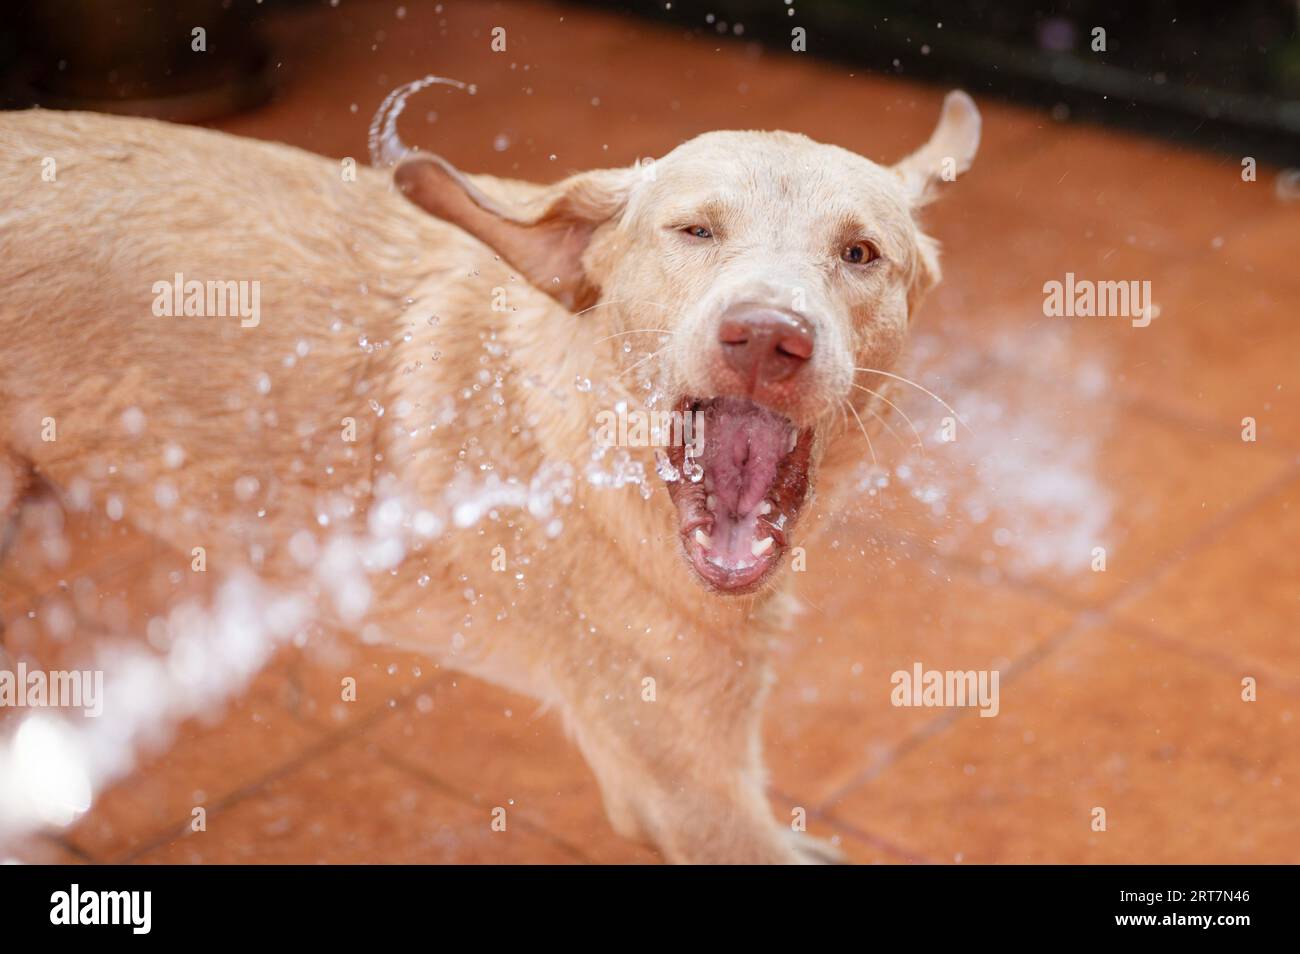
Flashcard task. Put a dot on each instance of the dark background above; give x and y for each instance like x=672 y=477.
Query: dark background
x=1222 y=75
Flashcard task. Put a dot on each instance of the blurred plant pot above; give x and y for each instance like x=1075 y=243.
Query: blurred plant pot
x=182 y=60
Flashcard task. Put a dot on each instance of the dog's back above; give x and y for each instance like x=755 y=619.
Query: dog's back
x=158 y=278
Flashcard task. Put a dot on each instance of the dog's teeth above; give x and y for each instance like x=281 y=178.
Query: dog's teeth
x=759 y=547
x=794 y=439
x=764 y=508
x=711 y=502
x=702 y=538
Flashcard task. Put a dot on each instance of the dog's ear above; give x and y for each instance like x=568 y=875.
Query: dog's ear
x=949 y=152
x=925 y=274
x=544 y=238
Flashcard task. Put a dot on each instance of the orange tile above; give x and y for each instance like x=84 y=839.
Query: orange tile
x=39 y=850
x=998 y=255
x=1168 y=197
x=1220 y=344
x=54 y=545
x=45 y=632
x=493 y=747
x=829 y=720
x=1185 y=770
x=350 y=806
x=1237 y=599
x=1223 y=349
x=1264 y=247
x=846 y=844
x=56 y=592
x=201 y=765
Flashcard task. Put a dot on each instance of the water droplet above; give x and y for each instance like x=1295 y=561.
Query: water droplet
x=133 y=421
x=664 y=467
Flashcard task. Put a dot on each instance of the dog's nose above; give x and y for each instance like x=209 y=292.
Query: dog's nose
x=764 y=345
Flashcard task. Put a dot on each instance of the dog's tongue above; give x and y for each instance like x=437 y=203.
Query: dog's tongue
x=743 y=443
x=742 y=447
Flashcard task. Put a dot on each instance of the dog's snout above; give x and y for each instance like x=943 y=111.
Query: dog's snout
x=764 y=345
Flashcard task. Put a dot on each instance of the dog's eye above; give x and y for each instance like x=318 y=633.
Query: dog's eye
x=859 y=253
x=697 y=231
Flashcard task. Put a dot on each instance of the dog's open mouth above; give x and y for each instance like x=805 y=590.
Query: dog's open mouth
x=739 y=478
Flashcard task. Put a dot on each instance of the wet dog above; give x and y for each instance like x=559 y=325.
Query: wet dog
x=382 y=389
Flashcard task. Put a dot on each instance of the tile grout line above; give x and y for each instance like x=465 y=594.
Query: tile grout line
x=458 y=794
x=327 y=743
x=1085 y=620
x=860 y=834
x=1287 y=684
x=1104 y=610
x=876 y=841
x=1206 y=427
x=1209 y=532
x=915 y=739
x=75 y=850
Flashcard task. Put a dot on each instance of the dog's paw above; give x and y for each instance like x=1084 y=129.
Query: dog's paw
x=815 y=851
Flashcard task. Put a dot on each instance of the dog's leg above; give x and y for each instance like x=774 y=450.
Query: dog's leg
x=678 y=761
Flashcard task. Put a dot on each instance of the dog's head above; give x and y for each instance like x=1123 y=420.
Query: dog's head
x=744 y=280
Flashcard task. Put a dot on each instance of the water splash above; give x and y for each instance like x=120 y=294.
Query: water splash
x=664 y=467
x=386 y=146
x=1023 y=488
x=52 y=766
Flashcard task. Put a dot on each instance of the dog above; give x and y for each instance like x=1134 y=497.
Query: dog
x=421 y=355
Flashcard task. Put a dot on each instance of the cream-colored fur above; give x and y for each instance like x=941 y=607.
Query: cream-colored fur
x=211 y=434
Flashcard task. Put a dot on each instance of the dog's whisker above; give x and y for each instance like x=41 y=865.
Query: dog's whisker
x=635 y=331
x=915 y=432
x=922 y=389
x=844 y=414
x=888 y=427
x=874 y=460
x=641 y=362
x=621 y=301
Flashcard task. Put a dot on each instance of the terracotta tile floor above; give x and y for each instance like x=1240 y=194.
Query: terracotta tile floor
x=1122 y=688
